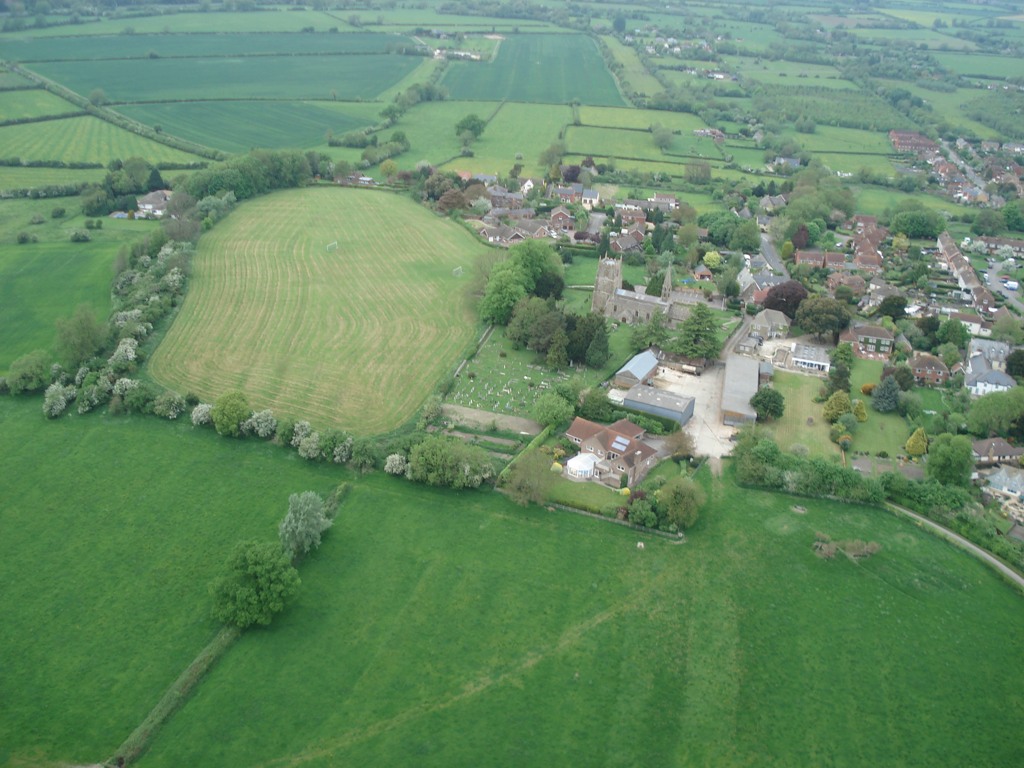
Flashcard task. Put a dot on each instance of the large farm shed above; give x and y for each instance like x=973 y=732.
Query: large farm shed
x=639 y=370
x=658 y=402
x=740 y=385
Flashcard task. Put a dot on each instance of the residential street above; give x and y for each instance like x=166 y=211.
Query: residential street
x=771 y=255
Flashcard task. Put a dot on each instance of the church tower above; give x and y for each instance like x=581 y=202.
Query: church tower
x=666 y=287
x=609 y=280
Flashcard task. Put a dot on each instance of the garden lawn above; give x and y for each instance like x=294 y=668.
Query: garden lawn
x=458 y=629
x=355 y=337
x=537 y=68
x=112 y=529
x=794 y=427
x=882 y=431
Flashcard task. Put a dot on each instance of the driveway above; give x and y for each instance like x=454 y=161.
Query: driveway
x=710 y=435
x=771 y=255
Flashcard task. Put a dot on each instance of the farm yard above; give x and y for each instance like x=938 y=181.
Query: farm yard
x=355 y=337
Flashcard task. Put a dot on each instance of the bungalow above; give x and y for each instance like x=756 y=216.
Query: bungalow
x=153 y=205
x=870 y=341
x=609 y=453
x=854 y=282
x=640 y=369
x=810 y=358
x=772 y=203
x=759 y=286
x=974 y=324
x=929 y=370
x=1007 y=481
x=769 y=324
x=995 y=450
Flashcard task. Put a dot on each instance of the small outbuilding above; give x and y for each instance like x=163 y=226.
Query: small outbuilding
x=658 y=402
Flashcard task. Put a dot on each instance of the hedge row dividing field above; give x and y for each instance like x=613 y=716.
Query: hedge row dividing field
x=355 y=337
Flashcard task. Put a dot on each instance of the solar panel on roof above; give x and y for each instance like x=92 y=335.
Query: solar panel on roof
x=620 y=444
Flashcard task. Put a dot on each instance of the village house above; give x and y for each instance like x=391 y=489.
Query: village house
x=911 y=142
x=928 y=370
x=769 y=324
x=757 y=290
x=870 y=341
x=995 y=450
x=1008 y=482
x=561 y=220
x=609 y=453
x=981 y=382
x=994 y=352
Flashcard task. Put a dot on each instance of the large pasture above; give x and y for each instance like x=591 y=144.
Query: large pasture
x=459 y=630
x=355 y=337
x=552 y=69
x=84 y=139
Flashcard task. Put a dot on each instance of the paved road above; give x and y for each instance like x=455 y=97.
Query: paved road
x=963 y=543
x=772 y=256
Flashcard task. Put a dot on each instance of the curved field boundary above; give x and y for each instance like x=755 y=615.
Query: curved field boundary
x=354 y=338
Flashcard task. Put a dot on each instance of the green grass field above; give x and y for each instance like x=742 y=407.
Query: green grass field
x=802 y=422
x=15 y=105
x=537 y=68
x=22 y=177
x=448 y=633
x=83 y=139
x=237 y=126
x=355 y=337
x=827 y=138
x=264 y=77
x=978 y=65
x=146 y=46
x=612 y=117
x=112 y=529
x=41 y=282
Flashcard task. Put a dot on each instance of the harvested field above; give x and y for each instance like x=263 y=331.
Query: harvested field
x=355 y=337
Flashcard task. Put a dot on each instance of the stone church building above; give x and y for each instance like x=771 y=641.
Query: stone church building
x=631 y=307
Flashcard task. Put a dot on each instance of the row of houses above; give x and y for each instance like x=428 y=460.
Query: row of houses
x=952 y=260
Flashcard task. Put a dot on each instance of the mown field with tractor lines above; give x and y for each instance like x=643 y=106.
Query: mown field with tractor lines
x=355 y=337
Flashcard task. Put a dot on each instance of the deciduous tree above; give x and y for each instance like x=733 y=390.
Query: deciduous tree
x=786 y=297
x=80 y=336
x=228 y=413
x=303 y=525
x=950 y=459
x=259 y=581
x=681 y=499
x=820 y=315
x=768 y=403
